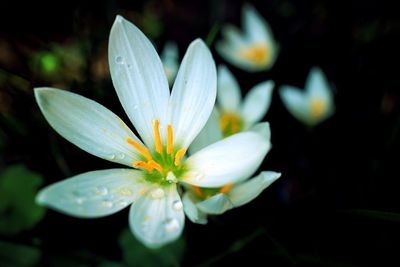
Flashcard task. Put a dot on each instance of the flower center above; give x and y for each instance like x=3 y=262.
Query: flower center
x=230 y=123
x=258 y=53
x=317 y=107
x=164 y=165
x=204 y=193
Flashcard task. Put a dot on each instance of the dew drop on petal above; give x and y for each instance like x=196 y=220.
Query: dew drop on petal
x=122 y=203
x=171 y=225
x=157 y=193
x=177 y=205
x=79 y=200
x=101 y=190
x=107 y=204
x=119 y=60
x=121 y=156
x=111 y=157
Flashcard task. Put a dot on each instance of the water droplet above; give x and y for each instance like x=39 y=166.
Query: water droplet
x=157 y=193
x=177 y=205
x=122 y=203
x=111 y=157
x=171 y=178
x=121 y=156
x=171 y=225
x=107 y=204
x=125 y=192
x=79 y=200
x=101 y=190
x=119 y=60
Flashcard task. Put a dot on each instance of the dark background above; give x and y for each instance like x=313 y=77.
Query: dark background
x=337 y=202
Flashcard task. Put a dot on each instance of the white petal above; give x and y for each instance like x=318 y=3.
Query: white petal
x=254 y=25
x=228 y=93
x=94 y=194
x=193 y=94
x=169 y=58
x=257 y=102
x=192 y=212
x=317 y=85
x=87 y=124
x=262 y=128
x=230 y=53
x=233 y=37
x=217 y=204
x=138 y=77
x=247 y=191
x=156 y=219
x=296 y=102
x=230 y=160
x=210 y=134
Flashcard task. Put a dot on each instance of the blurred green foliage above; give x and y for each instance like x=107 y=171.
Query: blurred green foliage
x=49 y=62
x=18 y=211
x=135 y=254
x=18 y=255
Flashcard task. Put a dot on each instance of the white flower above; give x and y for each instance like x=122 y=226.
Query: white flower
x=169 y=58
x=254 y=49
x=232 y=114
x=166 y=122
x=312 y=105
x=198 y=201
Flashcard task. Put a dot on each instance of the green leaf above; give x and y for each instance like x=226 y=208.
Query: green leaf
x=136 y=254
x=18 y=255
x=18 y=210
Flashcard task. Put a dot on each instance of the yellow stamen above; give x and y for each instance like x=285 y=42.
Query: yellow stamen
x=142 y=150
x=178 y=156
x=169 y=139
x=230 y=123
x=258 y=53
x=155 y=165
x=156 y=123
x=317 y=107
x=143 y=165
x=197 y=190
x=226 y=188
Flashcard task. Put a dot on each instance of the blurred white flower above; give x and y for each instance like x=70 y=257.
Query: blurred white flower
x=166 y=122
x=312 y=105
x=169 y=57
x=232 y=114
x=254 y=48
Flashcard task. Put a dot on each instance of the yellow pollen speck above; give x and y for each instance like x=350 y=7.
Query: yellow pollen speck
x=156 y=124
x=125 y=192
x=142 y=192
x=258 y=53
x=181 y=152
x=230 y=123
x=317 y=107
x=226 y=188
